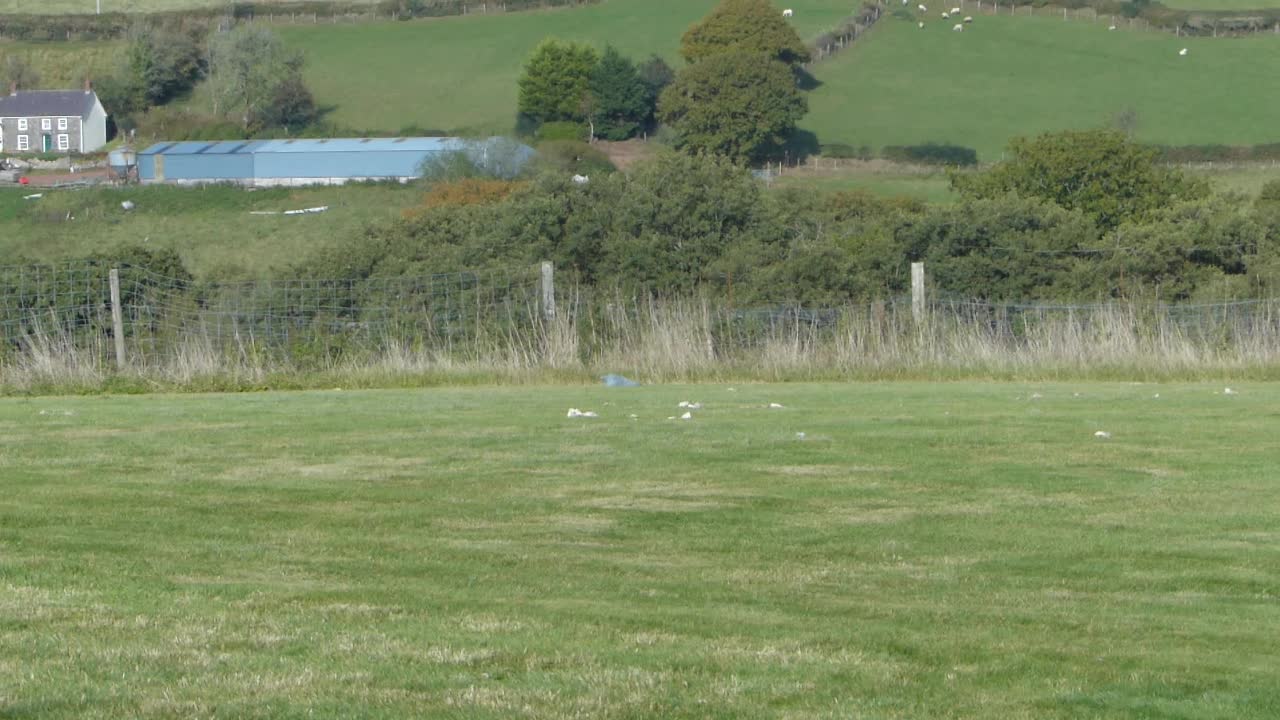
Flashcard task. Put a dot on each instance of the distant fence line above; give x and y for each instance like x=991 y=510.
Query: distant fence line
x=73 y=310
x=112 y=26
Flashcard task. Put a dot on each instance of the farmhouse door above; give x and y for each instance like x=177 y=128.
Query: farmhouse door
x=47 y=143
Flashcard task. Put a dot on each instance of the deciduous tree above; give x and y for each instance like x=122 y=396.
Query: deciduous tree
x=738 y=104
x=744 y=25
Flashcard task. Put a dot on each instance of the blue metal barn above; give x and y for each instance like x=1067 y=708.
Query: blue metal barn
x=266 y=163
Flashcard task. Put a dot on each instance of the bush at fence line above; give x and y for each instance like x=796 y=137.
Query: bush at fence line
x=1218 y=153
x=841 y=151
x=932 y=154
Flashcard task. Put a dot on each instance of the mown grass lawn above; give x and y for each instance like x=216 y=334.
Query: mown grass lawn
x=924 y=550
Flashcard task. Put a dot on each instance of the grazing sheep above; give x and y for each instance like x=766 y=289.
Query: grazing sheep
x=945 y=16
x=788 y=12
x=958 y=28
x=955 y=11
x=1113 y=27
x=920 y=25
x=923 y=8
x=968 y=18
x=1183 y=51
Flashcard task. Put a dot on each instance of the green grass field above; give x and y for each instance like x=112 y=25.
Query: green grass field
x=211 y=228
x=450 y=74
x=1009 y=76
x=65 y=65
x=924 y=551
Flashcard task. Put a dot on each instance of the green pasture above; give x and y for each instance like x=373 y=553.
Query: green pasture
x=65 y=64
x=1005 y=76
x=211 y=227
x=459 y=73
x=59 y=7
x=924 y=550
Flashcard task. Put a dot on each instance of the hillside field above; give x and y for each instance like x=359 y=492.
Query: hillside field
x=1010 y=76
x=65 y=64
x=451 y=73
x=964 y=550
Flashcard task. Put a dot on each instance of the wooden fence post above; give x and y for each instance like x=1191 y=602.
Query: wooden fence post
x=117 y=318
x=548 y=291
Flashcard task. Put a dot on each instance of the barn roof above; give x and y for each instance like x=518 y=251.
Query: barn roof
x=329 y=145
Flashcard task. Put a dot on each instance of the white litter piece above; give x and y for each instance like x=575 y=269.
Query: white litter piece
x=36 y=196
x=581 y=179
x=304 y=211
x=127 y=205
x=799 y=436
x=590 y=413
x=1036 y=396
x=576 y=413
x=1103 y=434
x=687 y=416
x=690 y=405
x=775 y=406
x=633 y=416
x=1228 y=391
x=1156 y=396
x=671 y=417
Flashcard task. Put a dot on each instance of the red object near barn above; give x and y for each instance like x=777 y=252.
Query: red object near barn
x=24 y=180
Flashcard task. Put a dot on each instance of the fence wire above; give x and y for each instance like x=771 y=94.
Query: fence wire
x=310 y=319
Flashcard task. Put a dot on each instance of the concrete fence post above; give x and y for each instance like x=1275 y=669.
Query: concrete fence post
x=917 y=292
x=117 y=318
x=548 y=291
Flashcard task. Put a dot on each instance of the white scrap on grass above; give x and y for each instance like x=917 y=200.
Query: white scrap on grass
x=1113 y=27
x=775 y=406
x=690 y=405
x=304 y=211
x=1228 y=391
x=581 y=179
x=1103 y=434
x=1183 y=51
x=1036 y=396
x=1156 y=396
x=799 y=436
x=127 y=205
x=921 y=25
x=576 y=413
x=633 y=416
x=687 y=416
x=36 y=196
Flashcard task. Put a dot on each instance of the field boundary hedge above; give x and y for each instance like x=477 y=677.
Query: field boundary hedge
x=114 y=26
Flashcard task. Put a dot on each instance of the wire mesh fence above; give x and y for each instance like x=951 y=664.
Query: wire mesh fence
x=307 y=322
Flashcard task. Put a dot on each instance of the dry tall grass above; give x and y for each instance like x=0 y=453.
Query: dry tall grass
x=694 y=340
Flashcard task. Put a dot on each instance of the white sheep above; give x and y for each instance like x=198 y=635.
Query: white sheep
x=958 y=28
x=788 y=12
x=923 y=8
x=1113 y=27
x=968 y=18
x=1183 y=51
x=920 y=25
x=945 y=16
x=955 y=11
x=581 y=179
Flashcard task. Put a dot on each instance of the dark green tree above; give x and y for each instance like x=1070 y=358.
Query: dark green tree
x=292 y=106
x=744 y=25
x=620 y=97
x=162 y=64
x=1099 y=172
x=738 y=104
x=556 y=81
x=656 y=75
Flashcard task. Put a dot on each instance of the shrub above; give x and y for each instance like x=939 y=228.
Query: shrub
x=932 y=154
x=841 y=151
x=573 y=156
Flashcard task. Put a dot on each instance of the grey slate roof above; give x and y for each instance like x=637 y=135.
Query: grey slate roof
x=47 y=103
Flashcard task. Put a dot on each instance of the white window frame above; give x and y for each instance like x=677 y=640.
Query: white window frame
x=64 y=142
x=62 y=123
x=22 y=123
x=24 y=144
x=46 y=123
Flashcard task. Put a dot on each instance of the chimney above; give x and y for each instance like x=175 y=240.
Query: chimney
x=13 y=88
x=88 y=86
